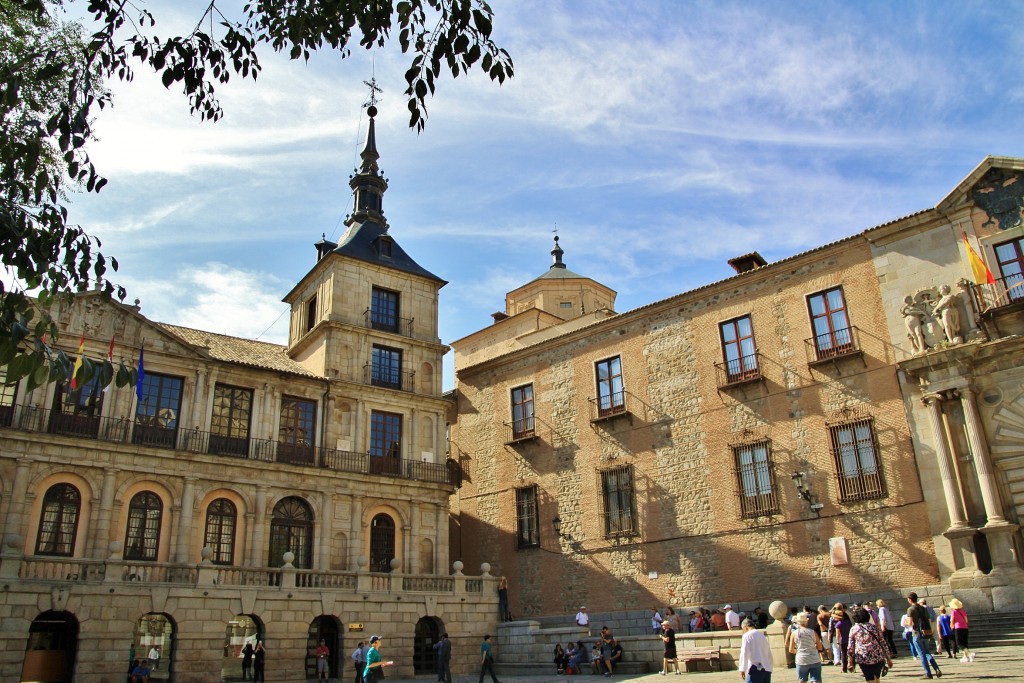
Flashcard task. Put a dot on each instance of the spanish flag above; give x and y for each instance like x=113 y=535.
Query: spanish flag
x=979 y=270
x=78 y=363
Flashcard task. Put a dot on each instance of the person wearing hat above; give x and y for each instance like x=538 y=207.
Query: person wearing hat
x=583 y=619
x=373 y=662
x=732 y=620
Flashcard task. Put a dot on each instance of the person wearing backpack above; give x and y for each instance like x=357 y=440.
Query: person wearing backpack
x=922 y=626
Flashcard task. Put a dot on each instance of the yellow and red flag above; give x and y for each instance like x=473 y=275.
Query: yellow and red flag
x=110 y=351
x=78 y=363
x=979 y=270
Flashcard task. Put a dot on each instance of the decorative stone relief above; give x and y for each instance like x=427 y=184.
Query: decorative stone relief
x=932 y=317
x=1000 y=194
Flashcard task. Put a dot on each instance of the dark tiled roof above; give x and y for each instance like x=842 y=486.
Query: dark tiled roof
x=360 y=242
x=248 y=352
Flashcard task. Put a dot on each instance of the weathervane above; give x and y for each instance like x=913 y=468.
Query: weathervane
x=374 y=90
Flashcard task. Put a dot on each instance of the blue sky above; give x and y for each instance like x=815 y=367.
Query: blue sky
x=662 y=138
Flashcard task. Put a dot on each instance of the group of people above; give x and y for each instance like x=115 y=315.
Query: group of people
x=253 y=661
x=139 y=670
x=703 y=619
x=858 y=637
x=605 y=653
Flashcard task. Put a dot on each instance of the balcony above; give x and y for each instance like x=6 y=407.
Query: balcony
x=739 y=371
x=611 y=407
x=388 y=378
x=122 y=430
x=831 y=346
x=383 y=322
x=521 y=431
x=999 y=305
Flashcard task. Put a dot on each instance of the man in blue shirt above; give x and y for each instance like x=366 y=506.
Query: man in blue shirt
x=140 y=674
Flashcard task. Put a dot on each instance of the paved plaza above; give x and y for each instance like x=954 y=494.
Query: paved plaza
x=994 y=663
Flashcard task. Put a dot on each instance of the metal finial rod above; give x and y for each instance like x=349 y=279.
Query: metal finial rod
x=374 y=90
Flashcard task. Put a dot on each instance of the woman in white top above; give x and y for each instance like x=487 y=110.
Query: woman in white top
x=908 y=633
x=806 y=645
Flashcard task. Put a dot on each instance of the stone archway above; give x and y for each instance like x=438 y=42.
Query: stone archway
x=241 y=630
x=52 y=646
x=154 y=640
x=428 y=632
x=328 y=628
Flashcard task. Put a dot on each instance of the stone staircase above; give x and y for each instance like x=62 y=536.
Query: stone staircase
x=997 y=628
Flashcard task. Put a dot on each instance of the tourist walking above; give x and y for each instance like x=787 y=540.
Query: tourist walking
x=945 y=624
x=907 y=624
x=805 y=645
x=839 y=633
x=359 y=660
x=922 y=636
x=959 y=622
x=668 y=636
x=487 y=660
x=755 y=663
x=823 y=618
x=867 y=647
x=374 y=664
x=886 y=623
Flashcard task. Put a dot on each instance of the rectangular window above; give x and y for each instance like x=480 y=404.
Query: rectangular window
x=386 y=369
x=527 y=518
x=311 y=316
x=297 y=431
x=229 y=424
x=1010 y=258
x=855 y=451
x=385 y=442
x=611 y=396
x=756 y=477
x=384 y=310
x=77 y=411
x=8 y=398
x=522 y=412
x=156 y=414
x=619 y=501
x=739 y=349
x=831 y=325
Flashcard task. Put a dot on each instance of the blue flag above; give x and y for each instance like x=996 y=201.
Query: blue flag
x=142 y=372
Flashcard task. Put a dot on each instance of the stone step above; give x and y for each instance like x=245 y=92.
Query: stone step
x=526 y=668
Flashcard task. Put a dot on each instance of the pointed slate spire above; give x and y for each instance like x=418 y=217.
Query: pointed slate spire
x=368 y=183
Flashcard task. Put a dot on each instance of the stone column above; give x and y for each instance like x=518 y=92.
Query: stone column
x=982 y=460
x=358 y=443
x=257 y=546
x=355 y=546
x=199 y=401
x=104 y=517
x=326 y=524
x=441 y=542
x=413 y=555
x=954 y=505
x=188 y=502
x=14 y=524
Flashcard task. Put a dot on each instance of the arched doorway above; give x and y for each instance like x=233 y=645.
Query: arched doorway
x=327 y=628
x=154 y=640
x=51 y=649
x=242 y=630
x=428 y=632
x=382 y=543
x=291 y=529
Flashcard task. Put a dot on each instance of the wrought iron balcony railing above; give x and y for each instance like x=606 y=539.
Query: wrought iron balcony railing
x=610 y=406
x=1004 y=292
x=834 y=344
x=389 y=378
x=739 y=370
x=383 y=322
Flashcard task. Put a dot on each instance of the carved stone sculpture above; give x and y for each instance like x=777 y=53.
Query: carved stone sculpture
x=946 y=310
x=914 y=318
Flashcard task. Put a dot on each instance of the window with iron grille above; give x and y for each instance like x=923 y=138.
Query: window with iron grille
x=522 y=412
x=856 y=454
x=231 y=411
x=384 y=310
x=58 y=525
x=386 y=367
x=291 y=530
x=221 y=517
x=527 y=518
x=830 y=322
x=619 y=501
x=756 y=478
x=611 y=395
x=738 y=349
x=156 y=415
x=142 y=538
x=1010 y=257
x=382 y=543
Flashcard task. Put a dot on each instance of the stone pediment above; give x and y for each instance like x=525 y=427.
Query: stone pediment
x=100 y=319
x=995 y=186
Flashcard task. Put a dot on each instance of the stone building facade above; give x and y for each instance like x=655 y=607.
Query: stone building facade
x=958 y=330
x=741 y=442
x=243 y=489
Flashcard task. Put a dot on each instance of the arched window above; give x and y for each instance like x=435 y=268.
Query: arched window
x=59 y=523
x=291 y=529
x=142 y=539
x=382 y=543
x=220 y=531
